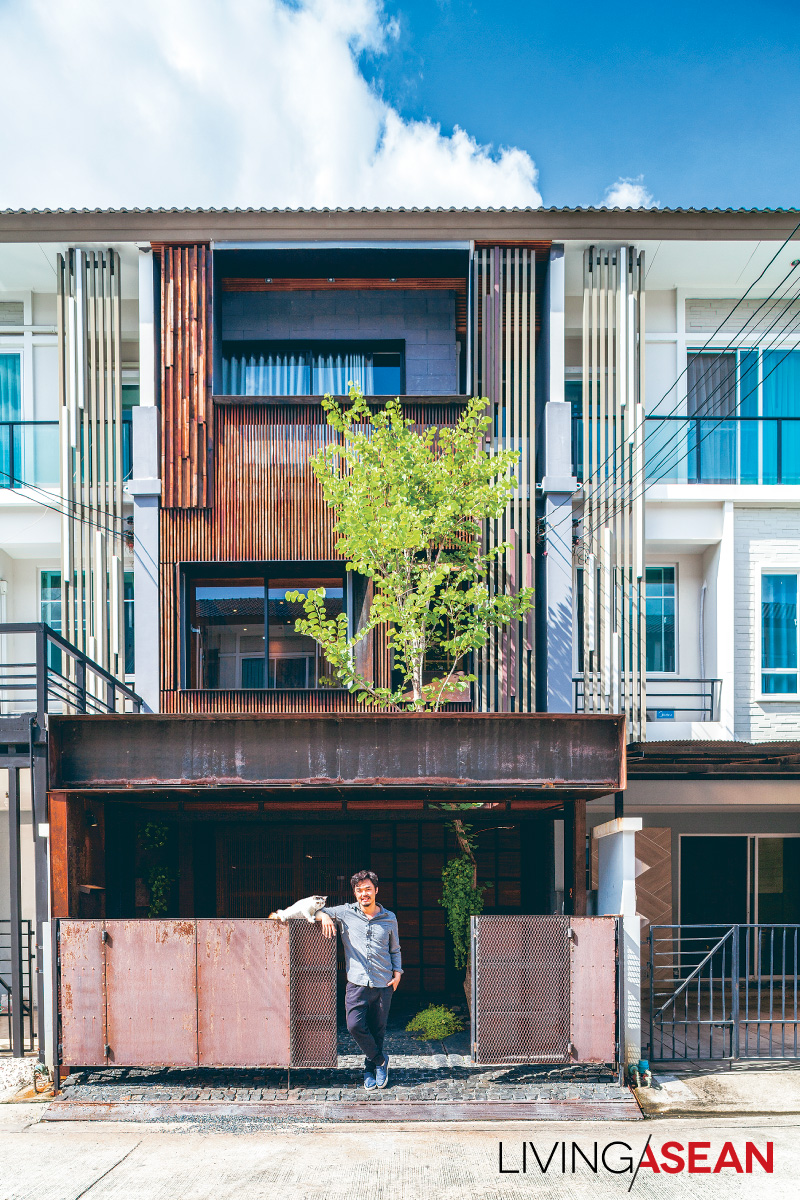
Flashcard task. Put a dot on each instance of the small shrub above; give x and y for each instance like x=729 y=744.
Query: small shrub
x=435 y=1023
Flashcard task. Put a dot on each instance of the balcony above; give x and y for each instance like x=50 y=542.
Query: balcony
x=738 y=450
x=30 y=453
x=675 y=702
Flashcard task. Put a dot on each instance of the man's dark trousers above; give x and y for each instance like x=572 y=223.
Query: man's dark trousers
x=367 y=1011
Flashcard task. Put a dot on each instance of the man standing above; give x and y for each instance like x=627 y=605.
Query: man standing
x=372 y=953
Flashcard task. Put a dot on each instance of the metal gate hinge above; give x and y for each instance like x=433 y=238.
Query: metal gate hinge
x=104 y=936
x=107 y=1051
x=570 y=933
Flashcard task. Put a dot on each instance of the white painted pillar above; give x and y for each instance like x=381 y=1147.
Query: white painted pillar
x=726 y=629
x=145 y=488
x=616 y=896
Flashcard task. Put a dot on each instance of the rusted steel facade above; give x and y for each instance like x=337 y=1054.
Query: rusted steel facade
x=547 y=756
x=185 y=993
x=544 y=989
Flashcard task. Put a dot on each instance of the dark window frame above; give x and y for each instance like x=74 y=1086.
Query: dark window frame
x=190 y=572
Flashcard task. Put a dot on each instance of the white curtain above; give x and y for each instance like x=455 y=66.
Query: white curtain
x=333 y=373
x=299 y=374
x=266 y=375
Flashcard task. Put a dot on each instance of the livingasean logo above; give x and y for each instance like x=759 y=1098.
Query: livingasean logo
x=670 y=1157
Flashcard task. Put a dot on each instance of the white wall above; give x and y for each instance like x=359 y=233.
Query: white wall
x=764 y=537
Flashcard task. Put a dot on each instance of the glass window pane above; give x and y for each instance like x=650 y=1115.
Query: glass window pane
x=387 y=373
x=296 y=661
x=660 y=618
x=779 y=685
x=10 y=387
x=778 y=880
x=779 y=621
x=226 y=641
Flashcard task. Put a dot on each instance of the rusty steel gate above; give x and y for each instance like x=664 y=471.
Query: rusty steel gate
x=185 y=993
x=544 y=989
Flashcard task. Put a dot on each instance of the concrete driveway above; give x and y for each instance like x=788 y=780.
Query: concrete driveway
x=218 y=1159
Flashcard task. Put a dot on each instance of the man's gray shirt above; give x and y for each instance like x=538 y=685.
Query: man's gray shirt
x=371 y=947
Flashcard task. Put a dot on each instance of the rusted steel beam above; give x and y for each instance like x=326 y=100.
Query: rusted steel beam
x=544 y=753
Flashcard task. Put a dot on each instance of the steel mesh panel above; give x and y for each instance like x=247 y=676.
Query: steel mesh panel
x=521 y=992
x=312 y=996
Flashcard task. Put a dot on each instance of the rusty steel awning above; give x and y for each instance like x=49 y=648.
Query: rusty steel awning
x=525 y=752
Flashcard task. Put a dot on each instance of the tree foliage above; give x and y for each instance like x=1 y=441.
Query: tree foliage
x=411 y=508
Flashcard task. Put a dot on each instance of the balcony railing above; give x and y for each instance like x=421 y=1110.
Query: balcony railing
x=29 y=454
x=668 y=699
x=40 y=672
x=30 y=457
x=747 y=450
x=742 y=450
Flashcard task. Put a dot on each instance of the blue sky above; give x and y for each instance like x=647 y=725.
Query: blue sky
x=703 y=99
x=399 y=102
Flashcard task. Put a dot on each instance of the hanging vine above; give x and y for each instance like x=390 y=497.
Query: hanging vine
x=153 y=840
x=462 y=896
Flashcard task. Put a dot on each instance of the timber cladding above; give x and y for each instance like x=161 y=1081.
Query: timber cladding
x=186 y=411
x=264 y=505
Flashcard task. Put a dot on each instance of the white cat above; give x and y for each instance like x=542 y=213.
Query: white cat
x=301 y=908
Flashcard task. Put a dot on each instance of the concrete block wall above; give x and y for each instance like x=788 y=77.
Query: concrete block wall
x=425 y=321
x=704 y=317
x=763 y=537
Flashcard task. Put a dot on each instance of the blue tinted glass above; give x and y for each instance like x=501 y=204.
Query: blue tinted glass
x=778 y=621
x=660 y=618
x=748 y=407
x=779 y=685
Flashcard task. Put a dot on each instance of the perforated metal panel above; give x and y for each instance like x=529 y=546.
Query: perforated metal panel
x=312 y=996
x=520 y=989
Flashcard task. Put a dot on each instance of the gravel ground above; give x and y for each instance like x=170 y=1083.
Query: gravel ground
x=419 y=1071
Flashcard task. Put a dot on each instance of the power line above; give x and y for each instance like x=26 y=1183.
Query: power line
x=731 y=346
x=724 y=321
x=663 y=452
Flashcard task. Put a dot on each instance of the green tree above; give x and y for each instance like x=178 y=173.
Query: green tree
x=411 y=509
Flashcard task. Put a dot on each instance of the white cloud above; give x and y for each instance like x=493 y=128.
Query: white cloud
x=222 y=103
x=629 y=193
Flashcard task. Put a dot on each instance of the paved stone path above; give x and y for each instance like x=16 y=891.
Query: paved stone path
x=419 y=1071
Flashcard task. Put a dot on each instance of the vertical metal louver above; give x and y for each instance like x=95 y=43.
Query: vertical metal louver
x=503 y=369
x=611 y=548
x=90 y=389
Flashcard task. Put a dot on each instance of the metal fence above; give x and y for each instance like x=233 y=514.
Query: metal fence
x=544 y=989
x=219 y=992
x=46 y=674
x=723 y=991
x=28 y=961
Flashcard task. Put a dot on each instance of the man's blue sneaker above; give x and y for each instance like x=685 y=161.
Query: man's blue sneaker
x=370 y=1082
x=382 y=1073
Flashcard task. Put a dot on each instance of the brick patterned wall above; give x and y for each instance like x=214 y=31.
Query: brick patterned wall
x=703 y=317
x=424 y=320
x=768 y=537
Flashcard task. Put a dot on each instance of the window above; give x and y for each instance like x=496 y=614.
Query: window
x=128 y=623
x=660 y=618
x=744 y=421
x=10 y=413
x=779 y=634
x=242 y=632
x=50 y=609
x=299 y=369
